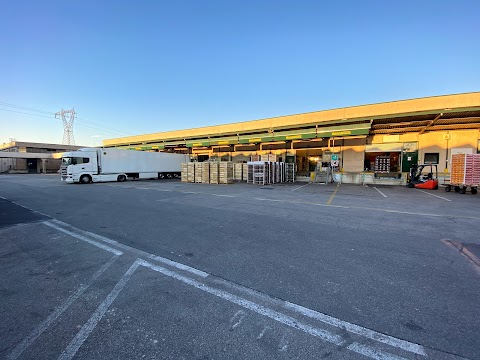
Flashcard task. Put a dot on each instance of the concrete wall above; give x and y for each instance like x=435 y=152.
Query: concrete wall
x=353 y=153
x=438 y=142
x=6 y=165
x=456 y=141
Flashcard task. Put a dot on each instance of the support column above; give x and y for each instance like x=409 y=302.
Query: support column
x=44 y=166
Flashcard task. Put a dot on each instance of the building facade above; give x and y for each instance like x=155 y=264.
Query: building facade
x=398 y=134
x=28 y=157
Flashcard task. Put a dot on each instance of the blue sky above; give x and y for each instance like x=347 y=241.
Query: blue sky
x=134 y=67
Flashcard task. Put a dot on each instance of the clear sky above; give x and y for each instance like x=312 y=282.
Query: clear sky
x=135 y=67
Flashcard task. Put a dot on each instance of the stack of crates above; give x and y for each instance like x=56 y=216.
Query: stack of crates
x=184 y=172
x=382 y=164
x=289 y=172
x=198 y=172
x=191 y=172
x=214 y=173
x=476 y=169
x=205 y=172
x=258 y=172
x=225 y=171
x=237 y=171
x=269 y=157
x=465 y=169
x=245 y=172
x=255 y=158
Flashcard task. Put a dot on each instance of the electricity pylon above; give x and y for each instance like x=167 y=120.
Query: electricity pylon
x=68 y=138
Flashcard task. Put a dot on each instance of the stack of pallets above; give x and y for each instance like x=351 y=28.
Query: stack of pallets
x=190 y=172
x=184 y=172
x=245 y=172
x=198 y=172
x=237 y=171
x=225 y=171
x=269 y=157
x=213 y=173
x=205 y=172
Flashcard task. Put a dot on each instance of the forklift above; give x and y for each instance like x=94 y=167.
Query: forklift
x=423 y=181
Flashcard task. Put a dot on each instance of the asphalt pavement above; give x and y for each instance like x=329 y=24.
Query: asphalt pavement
x=169 y=270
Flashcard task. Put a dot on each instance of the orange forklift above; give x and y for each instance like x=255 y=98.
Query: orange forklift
x=423 y=181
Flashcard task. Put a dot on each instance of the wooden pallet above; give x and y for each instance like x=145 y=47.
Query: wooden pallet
x=206 y=172
x=213 y=173
x=184 y=172
x=191 y=172
x=225 y=172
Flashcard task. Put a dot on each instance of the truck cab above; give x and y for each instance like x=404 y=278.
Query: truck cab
x=79 y=166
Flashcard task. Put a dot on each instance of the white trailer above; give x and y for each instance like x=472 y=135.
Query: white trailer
x=100 y=165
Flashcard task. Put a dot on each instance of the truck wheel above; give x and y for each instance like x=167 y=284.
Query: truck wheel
x=85 y=179
x=121 y=178
x=448 y=188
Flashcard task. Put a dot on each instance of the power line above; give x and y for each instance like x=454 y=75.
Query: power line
x=25 y=108
x=50 y=117
x=21 y=112
x=96 y=126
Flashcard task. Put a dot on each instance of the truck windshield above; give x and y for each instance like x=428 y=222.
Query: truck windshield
x=74 y=160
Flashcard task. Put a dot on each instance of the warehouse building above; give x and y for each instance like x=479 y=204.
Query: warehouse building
x=27 y=157
x=375 y=143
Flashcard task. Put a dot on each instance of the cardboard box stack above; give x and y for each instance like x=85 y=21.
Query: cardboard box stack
x=191 y=172
x=214 y=173
x=225 y=172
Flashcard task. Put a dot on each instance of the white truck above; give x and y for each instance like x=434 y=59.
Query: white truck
x=89 y=165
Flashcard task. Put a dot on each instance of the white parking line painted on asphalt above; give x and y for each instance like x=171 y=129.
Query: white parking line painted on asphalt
x=323 y=334
x=440 y=197
x=86 y=234
x=372 y=353
x=380 y=192
x=356 y=329
x=230 y=196
x=86 y=330
x=247 y=304
x=371 y=209
x=263 y=199
x=300 y=187
x=83 y=238
x=40 y=328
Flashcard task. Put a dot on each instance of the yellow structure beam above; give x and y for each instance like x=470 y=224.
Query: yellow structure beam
x=429 y=105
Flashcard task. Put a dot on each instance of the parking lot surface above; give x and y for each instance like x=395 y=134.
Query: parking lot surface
x=172 y=270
